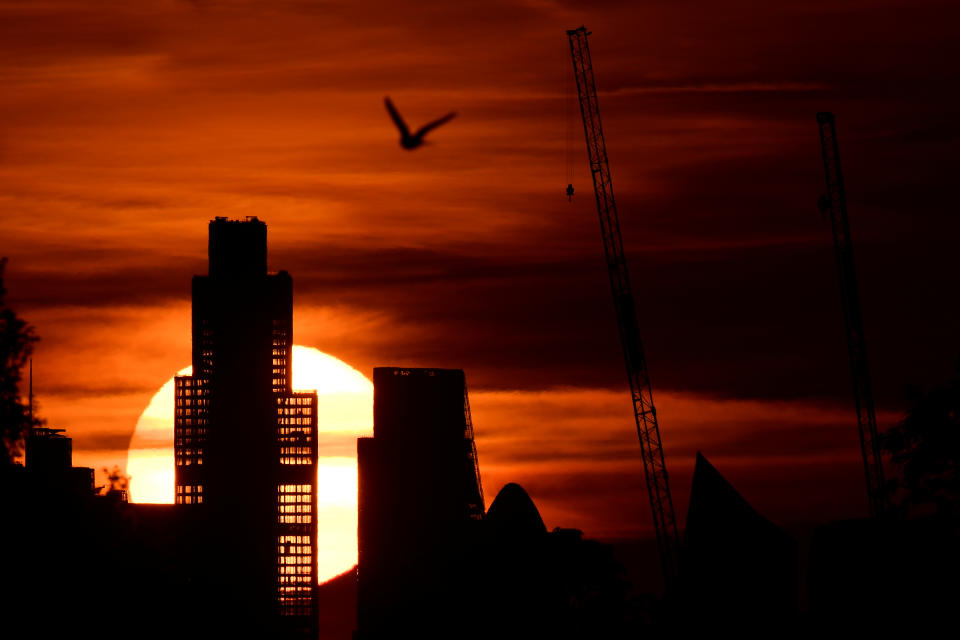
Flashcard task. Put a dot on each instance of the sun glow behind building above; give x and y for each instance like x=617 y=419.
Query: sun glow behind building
x=344 y=413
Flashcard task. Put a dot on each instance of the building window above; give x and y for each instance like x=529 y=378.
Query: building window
x=189 y=494
x=281 y=335
x=296 y=428
x=295 y=564
x=190 y=419
x=295 y=504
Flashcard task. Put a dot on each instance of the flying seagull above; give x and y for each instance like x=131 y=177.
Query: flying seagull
x=411 y=141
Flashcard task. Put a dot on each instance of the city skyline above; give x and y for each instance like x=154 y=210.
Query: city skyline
x=130 y=128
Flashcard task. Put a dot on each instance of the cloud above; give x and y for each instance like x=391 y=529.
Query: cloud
x=128 y=127
x=735 y=87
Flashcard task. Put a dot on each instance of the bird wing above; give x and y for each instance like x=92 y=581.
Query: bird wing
x=436 y=123
x=397 y=120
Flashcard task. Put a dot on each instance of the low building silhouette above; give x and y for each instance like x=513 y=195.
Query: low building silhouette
x=535 y=583
x=58 y=536
x=48 y=460
x=48 y=451
x=881 y=574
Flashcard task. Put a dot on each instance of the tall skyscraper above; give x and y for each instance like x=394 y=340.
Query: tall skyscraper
x=245 y=443
x=420 y=501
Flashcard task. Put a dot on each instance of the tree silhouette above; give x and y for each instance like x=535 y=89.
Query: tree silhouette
x=117 y=482
x=16 y=344
x=925 y=446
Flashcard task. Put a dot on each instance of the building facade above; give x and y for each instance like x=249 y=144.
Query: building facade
x=245 y=443
x=420 y=503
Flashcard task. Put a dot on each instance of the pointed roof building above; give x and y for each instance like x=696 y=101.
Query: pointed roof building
x=738 y=568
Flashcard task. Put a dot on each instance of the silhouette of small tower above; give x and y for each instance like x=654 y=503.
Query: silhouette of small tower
x=245 y=443
x=419 y=498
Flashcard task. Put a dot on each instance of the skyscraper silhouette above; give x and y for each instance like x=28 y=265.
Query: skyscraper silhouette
x=245 y=443
x=420 y=500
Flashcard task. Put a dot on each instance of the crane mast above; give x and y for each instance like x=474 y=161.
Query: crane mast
x=658 y=486
x=834 y=203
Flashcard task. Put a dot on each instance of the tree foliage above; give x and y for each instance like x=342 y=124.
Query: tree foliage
x=16 y=344
x=117 y=481
x=925 y=447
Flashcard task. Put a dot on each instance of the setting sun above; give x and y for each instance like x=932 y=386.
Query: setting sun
x=345 y=412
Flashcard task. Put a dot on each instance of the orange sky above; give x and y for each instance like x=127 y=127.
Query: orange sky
x=125 y=128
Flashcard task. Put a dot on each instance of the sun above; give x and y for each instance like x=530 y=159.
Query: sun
x=344 y=413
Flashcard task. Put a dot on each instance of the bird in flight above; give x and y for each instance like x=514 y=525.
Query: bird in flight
x=411 y=141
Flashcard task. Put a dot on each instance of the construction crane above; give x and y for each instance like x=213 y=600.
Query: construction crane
x=651 y=449
x=834 y=203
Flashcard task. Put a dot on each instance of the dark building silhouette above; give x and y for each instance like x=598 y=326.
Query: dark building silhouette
x=56 y=535
x=433 y=565
x=739 y=570
x=880 y=574
x=245 y=443
x=48 y=451
x=419 y=501
x=49 y=460
x=533 y=583
x=513 y=516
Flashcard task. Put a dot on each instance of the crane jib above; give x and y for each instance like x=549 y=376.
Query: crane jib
x=645 y=414
x=853 y=322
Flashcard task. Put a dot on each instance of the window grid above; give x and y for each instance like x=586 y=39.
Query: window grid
x=189 y=494
x=296 y=428
x=295 y=554
x=190 y=419
x=295 y=504
x=281 y=357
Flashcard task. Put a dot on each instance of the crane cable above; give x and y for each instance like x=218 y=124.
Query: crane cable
x=566 y=94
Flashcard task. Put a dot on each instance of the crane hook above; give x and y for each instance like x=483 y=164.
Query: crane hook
x=569 y=193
